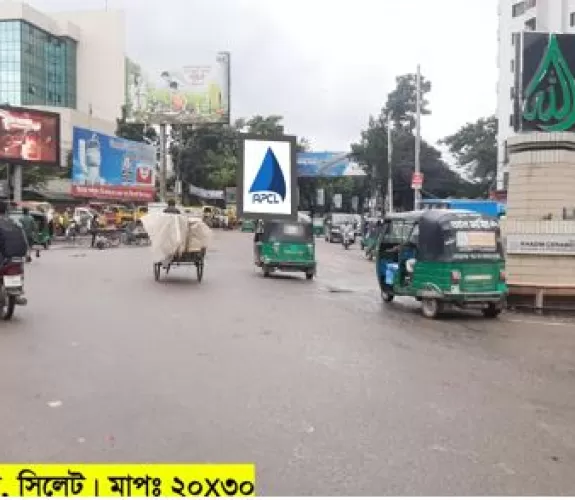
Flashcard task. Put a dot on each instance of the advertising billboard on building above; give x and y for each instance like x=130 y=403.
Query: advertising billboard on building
x=548 y=84
x=29 y=136
x=327 y=164
x=111 y=168
x=197 y=94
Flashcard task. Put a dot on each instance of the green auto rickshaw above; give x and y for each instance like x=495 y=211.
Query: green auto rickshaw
x=285 y=246
x=43 y=237
x=248 y=226
x=443 y=258
x=370 y=237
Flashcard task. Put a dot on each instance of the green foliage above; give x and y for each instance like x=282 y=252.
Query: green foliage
x=371 y=150
x=402 y=101
x=474 y=146
x=135 y=131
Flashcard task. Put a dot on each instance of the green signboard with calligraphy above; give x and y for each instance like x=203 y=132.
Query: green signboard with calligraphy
x=548 y=84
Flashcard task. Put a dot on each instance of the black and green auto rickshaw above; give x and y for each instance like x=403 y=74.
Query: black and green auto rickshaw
x=43 y=237
x=285 y=246
x=443 y=258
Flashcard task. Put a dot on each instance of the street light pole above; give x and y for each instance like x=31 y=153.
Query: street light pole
x=389 y=166
x=417 y=190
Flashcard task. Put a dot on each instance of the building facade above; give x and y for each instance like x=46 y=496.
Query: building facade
x=516 y=16
x=72 y=63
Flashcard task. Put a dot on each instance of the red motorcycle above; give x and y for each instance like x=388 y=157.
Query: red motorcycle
x=12 y=286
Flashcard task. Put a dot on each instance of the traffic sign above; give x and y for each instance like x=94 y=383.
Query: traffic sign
x=416 y=180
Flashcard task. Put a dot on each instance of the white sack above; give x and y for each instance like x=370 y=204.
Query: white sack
x=172 y=234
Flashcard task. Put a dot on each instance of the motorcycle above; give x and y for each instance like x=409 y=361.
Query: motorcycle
x=12 y=286
x=347 y=238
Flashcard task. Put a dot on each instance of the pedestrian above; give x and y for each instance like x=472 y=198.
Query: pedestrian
x=30 y=230
x=171 y=208
x=94 y=223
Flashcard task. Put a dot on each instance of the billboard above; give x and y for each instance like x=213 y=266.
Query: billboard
x=111 y=168
x=548 y=84
x=29 y=136
x=327 y=164
x=267 y=178
x=196 y=94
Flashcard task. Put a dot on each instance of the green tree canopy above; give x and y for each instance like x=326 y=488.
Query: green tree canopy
x=474 y=146
x=371 y=151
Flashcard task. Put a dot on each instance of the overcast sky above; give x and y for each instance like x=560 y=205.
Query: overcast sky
x=325 y=65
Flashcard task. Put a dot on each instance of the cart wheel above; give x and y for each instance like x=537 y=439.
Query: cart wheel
x=431 y=308
x=200 y=270
x=157 y=268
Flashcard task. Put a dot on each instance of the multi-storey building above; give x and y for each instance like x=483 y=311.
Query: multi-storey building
x=72 y=63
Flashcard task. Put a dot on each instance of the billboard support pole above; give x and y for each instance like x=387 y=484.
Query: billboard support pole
x=17 y=176
x=389 y=166
x=417 y=191
x=163 y=161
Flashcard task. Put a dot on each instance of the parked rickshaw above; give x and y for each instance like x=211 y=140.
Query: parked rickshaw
x=285 y=246
x=443 y=258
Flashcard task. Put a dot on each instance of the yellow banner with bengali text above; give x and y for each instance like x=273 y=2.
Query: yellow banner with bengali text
x=127 y=480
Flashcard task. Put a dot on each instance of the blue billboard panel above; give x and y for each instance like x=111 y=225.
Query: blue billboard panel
x=112 y=168
x=327 y=164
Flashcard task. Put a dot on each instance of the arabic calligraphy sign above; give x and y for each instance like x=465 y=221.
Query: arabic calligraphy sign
x=548 y=84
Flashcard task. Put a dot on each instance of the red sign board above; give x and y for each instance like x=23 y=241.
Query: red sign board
x=416 y=180
x=114 y=192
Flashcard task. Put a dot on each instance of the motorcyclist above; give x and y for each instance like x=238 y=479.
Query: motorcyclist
x=347 y=229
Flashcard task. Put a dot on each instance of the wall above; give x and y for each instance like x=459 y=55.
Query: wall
x=541 y=184
x=101 y=61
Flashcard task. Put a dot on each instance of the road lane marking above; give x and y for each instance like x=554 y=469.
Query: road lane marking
x=541 y=323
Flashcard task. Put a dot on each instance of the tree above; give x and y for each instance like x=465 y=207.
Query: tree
x=402 y=101
x=474 y=146
x=138 y=132
x=265 y=126
x=371 y=151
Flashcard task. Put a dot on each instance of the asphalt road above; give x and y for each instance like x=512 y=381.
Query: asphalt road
x=326 y=389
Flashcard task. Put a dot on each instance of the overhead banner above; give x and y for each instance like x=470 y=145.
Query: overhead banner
x=327 y=164
x=206 y=194
x=110 y=168
x=196 y=94
x=267 y=178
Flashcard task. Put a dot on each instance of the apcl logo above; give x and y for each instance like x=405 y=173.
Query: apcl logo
x=269 y=186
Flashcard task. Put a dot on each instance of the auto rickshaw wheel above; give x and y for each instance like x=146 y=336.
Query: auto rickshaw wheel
x=157 y=269
x=431 y=308
x=491 y=311
x=309 y=275
x=267 y=271
x=387 y=296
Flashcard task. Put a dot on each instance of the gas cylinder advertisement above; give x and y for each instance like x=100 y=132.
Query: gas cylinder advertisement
x=111 y=168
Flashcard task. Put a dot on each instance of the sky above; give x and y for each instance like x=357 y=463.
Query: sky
x=324 y=65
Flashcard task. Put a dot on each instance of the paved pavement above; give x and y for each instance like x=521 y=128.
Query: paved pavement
x=326 y=389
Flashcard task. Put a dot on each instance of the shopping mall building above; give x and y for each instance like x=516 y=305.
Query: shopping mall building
x=72 y=63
